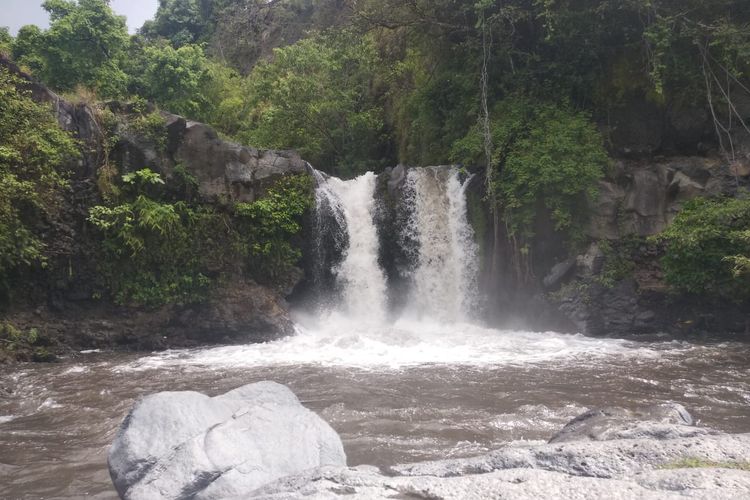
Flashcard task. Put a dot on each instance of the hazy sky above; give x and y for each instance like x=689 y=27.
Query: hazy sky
x=17 y=13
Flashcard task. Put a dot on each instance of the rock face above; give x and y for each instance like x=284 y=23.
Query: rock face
x=188 y=445
x=362 y=483
x=227 y=171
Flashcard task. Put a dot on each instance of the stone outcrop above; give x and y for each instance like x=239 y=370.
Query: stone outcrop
x=622 y=291
x=258 y=442
x=227 y=171
x=664 y=421
x=188 y=445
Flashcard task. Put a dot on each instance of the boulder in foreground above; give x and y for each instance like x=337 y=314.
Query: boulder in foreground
x=188 y=445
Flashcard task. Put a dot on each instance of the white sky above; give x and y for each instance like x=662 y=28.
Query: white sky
x=17 y=13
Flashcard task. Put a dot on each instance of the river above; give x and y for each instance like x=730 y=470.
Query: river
x=407 y=393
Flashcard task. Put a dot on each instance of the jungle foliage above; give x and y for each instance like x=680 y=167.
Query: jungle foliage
x=707 y=248
x=514 y=86
x=33 y=153
x=157 y=252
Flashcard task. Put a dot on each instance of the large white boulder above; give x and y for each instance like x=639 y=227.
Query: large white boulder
x=188 y=445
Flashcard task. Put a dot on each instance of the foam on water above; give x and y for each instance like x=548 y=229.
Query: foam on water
x=339 y=341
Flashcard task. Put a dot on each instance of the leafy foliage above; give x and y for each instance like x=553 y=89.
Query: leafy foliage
x=270 y=223
x=85 y=45
x=545 y=155
x=34 y=151
x=22 y=345
x=707 y=248
x=156 y=253
x=174 y=78
x=316 y=96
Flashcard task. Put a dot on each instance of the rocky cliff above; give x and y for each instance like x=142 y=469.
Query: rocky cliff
x=60 y=302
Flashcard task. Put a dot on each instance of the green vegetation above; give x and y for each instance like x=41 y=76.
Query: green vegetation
x=695 y=463
x=156 y=252
x=707 y=248
x=269 y=224
x=545 y=155
x=86 y=44
x=517 y=87
x=22 y=345
x=315 y=96
x=33 y=153
x=618 y=260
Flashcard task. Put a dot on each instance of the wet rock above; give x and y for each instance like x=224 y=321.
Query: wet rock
x=663 y=421
x=558 y=273
x=188 y=445
x=239 y=310
x=229 y=172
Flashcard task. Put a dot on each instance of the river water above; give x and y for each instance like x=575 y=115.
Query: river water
x=429 y=385
x=409 y=392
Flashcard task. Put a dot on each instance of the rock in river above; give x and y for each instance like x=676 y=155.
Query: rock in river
x=259 y=442
x=188 y=445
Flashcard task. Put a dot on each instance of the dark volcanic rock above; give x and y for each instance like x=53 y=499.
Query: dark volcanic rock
x=226 y=171
x=241 y=310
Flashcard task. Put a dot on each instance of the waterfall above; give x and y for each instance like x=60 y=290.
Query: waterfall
x=330 y=237
x=445 y=274
x=361 y=279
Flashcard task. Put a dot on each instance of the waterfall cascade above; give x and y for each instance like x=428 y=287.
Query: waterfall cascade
x=444 y=278
x=359 y=275
x=443 y=273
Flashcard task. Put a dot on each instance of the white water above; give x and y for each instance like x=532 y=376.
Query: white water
x=362 y=280
x=446 y=272
x=337 y=341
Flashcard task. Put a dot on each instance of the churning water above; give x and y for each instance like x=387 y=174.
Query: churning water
x=429 y=384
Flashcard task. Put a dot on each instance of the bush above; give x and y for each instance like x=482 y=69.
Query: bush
x=33 y=153
x=156 y=253
x=544 y=155
x=269 y=224
x=707 y=248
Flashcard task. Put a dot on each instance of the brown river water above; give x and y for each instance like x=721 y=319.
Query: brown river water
x=398 y=394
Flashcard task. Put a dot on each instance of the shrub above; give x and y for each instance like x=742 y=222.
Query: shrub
x=33 y=153
x=156 y=253
x=269 y=224
x=707 y=248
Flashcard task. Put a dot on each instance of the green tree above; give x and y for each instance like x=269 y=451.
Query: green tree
x=84 y=45
x=6 y=41
x=707 y=248
x=318 y=96
x=182 y=22
x=173 y=78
